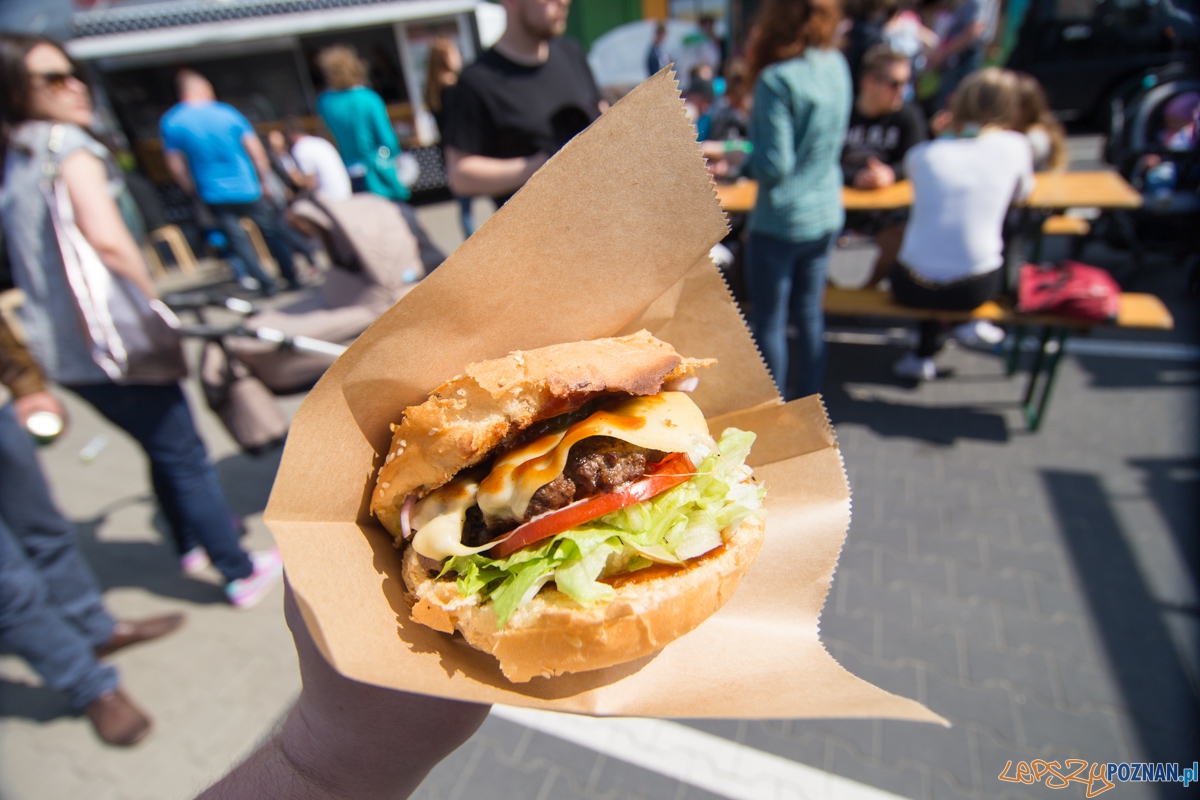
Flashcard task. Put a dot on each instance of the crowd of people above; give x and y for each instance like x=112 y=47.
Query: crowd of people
x=850 y=98
x=815 y=101
x=500 y=119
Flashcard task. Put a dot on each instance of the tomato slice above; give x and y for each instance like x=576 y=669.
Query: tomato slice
x=673 y=470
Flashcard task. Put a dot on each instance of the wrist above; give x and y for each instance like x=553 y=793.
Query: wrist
x=334 y=760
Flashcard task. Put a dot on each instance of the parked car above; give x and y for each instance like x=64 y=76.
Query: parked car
x=1087 y=53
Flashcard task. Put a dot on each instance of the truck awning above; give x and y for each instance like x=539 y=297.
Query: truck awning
x=191 y=24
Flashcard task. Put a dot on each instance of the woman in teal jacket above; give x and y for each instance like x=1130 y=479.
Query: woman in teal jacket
x=358 y=120
x=802 y=98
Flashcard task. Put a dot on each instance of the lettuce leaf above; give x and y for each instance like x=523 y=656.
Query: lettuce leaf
x=681 y=523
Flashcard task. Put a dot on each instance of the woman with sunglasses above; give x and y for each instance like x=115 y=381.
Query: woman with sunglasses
x=45 y=110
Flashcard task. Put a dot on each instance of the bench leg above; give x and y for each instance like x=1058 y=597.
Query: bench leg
x=1035 y=372
x=1014 y=352
x=1045 y=364
x=1039 y=241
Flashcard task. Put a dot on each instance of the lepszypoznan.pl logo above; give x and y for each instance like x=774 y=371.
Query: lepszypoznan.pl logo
x=1097 y=778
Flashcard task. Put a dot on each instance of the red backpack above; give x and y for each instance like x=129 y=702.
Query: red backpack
x=1070 y=289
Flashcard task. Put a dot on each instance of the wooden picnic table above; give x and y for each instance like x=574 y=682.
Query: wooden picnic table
x=1055 y=191
x=1143 y=311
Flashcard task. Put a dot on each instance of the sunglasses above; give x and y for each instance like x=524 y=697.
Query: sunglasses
x=55 y=81
x=891 y=83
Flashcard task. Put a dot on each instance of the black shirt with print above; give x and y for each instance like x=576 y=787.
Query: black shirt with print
x=502 y=109
x=886 y=138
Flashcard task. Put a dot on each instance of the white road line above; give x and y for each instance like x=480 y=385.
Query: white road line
x=699 y=759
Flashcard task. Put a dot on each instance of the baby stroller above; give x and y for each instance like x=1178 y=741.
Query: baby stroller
x=1159 y=160
x=376 y=258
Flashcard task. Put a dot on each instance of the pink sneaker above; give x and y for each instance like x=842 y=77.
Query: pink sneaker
x=246 y=592
x=194 y=561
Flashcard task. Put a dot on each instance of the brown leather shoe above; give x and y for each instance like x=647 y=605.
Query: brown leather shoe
x=127 y=632
x=117 y=720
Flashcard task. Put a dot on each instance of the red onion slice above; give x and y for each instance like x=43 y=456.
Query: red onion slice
x=405 y=516
x=685 y=384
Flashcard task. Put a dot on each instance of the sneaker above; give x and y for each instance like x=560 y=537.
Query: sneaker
x=194 y=561
x=915 y=368
x=248 y=591
x=249 y=284
x=979 y=333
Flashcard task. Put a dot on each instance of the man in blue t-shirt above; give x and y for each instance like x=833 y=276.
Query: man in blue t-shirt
x=213 y=153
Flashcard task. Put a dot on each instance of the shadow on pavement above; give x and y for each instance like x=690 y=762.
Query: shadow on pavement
x=1129 y=622
x=153 y=566
x=36 y=703
x=849 y=364
x=1121 y=373
x=1174 y=486
x=247 y=480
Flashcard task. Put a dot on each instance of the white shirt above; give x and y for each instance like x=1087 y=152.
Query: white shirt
x=316 y=156
x=962 y=189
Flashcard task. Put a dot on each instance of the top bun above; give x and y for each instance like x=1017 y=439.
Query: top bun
x=465 y=418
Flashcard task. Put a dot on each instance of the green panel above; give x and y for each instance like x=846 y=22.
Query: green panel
x=588 y=20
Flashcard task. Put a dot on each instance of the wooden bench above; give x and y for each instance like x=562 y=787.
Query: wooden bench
x=1144 y=311
x=1061 y=225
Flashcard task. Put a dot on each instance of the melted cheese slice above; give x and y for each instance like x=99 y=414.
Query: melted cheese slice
x=669 y=422
x=438 y=521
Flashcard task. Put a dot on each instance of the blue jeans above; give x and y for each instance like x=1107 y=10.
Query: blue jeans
x=50 y=609
x=960 y=66
x=184 y=480
x=464 y=214
x=266 y=218
x=786 y=283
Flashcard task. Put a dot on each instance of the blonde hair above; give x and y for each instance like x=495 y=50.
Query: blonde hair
x=438 y=74
x=342 y=67
x=987 y=97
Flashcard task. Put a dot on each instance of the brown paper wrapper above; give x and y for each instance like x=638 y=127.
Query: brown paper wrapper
x=610 y=236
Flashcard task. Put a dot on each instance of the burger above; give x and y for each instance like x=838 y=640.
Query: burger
x=566 y=509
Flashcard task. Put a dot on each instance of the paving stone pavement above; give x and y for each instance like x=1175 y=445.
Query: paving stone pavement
x=1038 y=590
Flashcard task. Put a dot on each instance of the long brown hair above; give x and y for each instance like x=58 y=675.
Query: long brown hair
x=786 y=28
x=16 y=83
x=438 y=74
x=1033 y=110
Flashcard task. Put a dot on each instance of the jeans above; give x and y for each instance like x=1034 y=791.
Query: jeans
x=50 y=609
x=266 y=218
x=184 y=481
x=464 y=214
x=959 y=67
x=786 y=283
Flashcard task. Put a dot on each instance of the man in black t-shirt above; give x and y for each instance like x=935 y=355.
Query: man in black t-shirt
x=518 y=103
x=882 y=129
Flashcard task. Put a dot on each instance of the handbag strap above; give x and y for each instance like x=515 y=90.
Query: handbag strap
x=91 y=299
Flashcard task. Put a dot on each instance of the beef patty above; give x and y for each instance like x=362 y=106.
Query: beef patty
x=595 y=465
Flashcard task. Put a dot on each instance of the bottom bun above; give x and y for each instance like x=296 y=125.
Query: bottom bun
x=552 y=634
